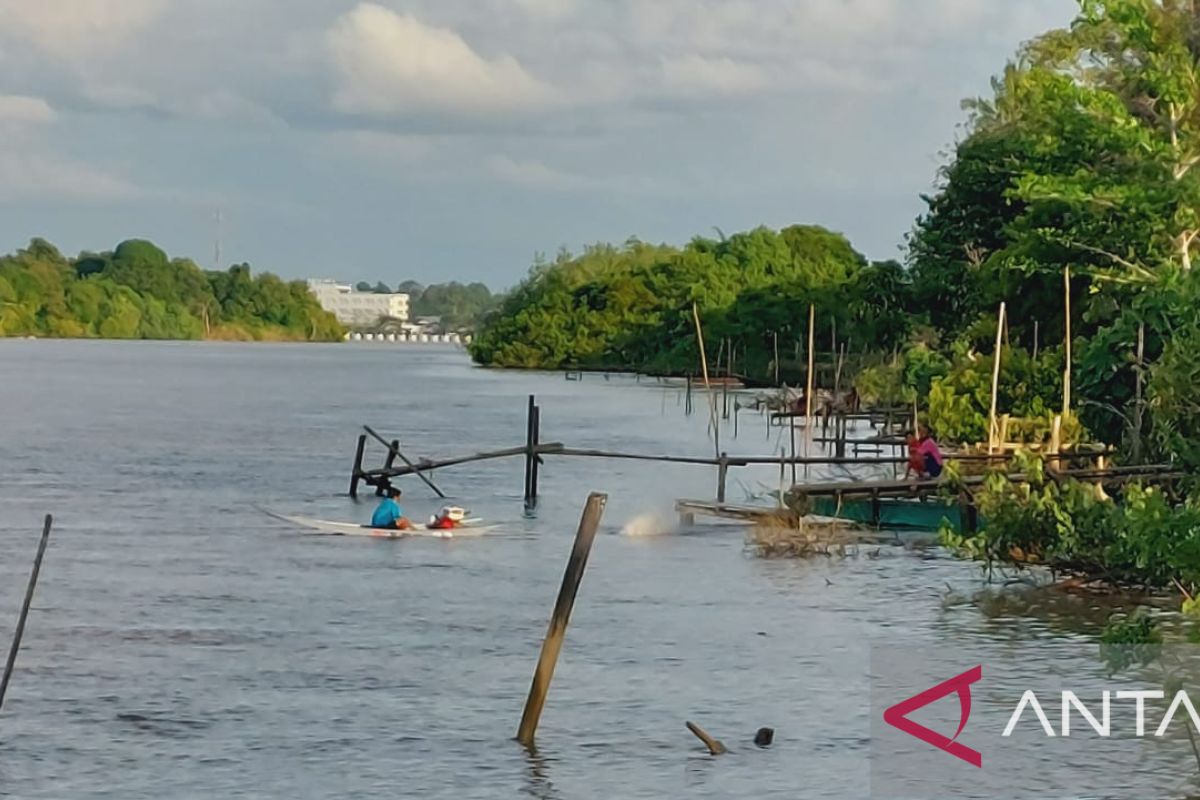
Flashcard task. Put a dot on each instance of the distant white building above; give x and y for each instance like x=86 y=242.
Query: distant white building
x=358 y=308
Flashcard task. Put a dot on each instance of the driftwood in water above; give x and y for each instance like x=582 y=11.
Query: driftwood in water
x=715 y=747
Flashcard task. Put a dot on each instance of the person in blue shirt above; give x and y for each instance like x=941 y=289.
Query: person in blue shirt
x=389 y=514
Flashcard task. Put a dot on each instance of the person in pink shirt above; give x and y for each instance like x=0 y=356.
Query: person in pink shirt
x=930 y=454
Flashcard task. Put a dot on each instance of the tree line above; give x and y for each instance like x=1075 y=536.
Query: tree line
x=137 y=292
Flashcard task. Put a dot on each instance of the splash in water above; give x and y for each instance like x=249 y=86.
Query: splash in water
x=651 y=524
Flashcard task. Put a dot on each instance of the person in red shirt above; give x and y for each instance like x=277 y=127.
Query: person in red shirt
x=931 y=455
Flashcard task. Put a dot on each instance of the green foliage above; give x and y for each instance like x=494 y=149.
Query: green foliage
x=137 y=292
x=631 y=306
x=1175 y=398
x=1145 y=539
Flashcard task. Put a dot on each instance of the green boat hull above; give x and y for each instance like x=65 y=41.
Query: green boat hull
x=917 y=515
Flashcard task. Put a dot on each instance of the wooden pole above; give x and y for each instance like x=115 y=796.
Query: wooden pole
x=782 y=485
x=712 y=401
x=776 y=338
x=537 y=459
x=725 y=384
x=388 y=464
x=356 y=473
x=1139 y=407
x=1067 y=343
x=552 y=644
x=995 y=383
x=416 y=470
x=722 y=476
x=1035 y=340
x=530 y=453
x=20 y=632
x=808 y=394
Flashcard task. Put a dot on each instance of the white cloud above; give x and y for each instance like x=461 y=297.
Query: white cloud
x=391 y=63
x=22 y=110
x=39 y=176
x=698 y=75
x=532 y=174
x=550 y=9
x=74 y=29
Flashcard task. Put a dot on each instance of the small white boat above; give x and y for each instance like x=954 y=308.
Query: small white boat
x=323 y=527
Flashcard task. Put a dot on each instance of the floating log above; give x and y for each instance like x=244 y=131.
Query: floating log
x=715 y=747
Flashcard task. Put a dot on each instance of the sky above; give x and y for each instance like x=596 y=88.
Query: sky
x=455 y=139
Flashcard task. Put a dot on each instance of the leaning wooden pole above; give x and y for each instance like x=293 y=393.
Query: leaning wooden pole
x=1067 y=342
x=396 y=450
x=712 y=401
x=552 y=644
x=992 y=432
x=33 y=579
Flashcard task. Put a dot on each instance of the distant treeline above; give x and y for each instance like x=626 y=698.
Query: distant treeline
x=460 y=306
x=137 y=292
x=630 y=306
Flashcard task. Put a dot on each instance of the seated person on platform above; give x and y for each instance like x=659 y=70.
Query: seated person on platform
x=389 y=514
x=931 y=455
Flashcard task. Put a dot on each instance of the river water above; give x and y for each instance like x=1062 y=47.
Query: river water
x=183 y=644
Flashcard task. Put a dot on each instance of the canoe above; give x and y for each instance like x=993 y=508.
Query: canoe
x=323 y=527
x=895 y=513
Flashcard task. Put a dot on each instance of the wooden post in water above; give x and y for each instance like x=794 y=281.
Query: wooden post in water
x=552 y=645
x=722 y=475
x=530 y=454
x=388 y=463
x=537 y=459
x=992 y=432
x=356 y=473
x=20 y=632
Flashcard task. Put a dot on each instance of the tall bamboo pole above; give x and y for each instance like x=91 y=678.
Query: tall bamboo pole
x=776 y=338
x=712 y=401
x=1067 y=342
x=995 y=382
x=808 y=393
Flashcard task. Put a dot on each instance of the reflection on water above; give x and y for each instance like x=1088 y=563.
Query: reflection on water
x=183 y=644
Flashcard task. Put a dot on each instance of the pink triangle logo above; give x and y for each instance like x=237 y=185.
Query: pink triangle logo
x=897 y=715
